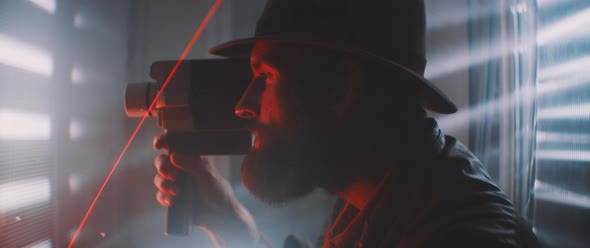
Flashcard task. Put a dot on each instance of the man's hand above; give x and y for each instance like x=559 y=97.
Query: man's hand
x=217 y=208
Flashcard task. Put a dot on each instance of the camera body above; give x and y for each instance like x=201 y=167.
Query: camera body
x=197 y=106
x=196 y=111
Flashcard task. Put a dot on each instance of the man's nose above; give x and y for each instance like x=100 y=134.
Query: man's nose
x=249 y=105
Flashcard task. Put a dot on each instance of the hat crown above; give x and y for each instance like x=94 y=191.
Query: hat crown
x=389 y=33
x=393 y=29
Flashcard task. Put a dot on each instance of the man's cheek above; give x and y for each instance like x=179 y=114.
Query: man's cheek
x=271 y=108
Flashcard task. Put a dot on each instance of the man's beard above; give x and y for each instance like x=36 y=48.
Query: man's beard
x=290 y=165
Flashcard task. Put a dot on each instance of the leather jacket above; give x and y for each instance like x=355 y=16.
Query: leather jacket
x=442 y=198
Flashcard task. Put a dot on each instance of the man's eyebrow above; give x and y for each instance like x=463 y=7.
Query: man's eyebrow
x=255 y=63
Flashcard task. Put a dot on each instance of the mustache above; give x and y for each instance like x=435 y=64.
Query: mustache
x=258 y=128
x=254 y=126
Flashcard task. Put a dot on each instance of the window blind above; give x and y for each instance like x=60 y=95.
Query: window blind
x=26 y=66
x=562 y=184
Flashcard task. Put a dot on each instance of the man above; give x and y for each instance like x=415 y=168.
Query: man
x=337 y=102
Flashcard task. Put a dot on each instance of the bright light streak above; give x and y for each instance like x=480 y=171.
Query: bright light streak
x=21 y=55
x=574 y=111
x=46 y=5
x=185 y=52
x=463 y=58
x=74 y=183
x=77 y=76
x=568 y=138
x=41 y=244
x=564 y=76
x=569 y=28
x=549 y=3
x=80 y=21
x=552 y=193
x=77 y=129
x=563 y=155
x=16 y=125
x=23 y=193
x=566 y=83
x=575 y=67
x=445 y=14
x=520 y=8
x=452 y=123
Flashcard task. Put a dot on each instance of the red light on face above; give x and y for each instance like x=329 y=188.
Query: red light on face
x=187 y=49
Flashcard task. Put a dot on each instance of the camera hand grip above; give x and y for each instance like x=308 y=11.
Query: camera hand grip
x=179 y=214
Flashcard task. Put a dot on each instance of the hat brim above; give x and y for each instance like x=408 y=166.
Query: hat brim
x=432 y=98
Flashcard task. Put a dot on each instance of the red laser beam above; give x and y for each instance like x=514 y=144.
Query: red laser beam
x=187 y=49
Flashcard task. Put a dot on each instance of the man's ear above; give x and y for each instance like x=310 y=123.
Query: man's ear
x=353 y=79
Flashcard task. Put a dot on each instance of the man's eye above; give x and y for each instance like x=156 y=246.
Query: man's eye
x=266 y=75
x=263 y=78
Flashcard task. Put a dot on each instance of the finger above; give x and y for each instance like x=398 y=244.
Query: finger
x=160 y=142
x=166 y=186
x=165 y=167
x=185 y=162
x=164 y=199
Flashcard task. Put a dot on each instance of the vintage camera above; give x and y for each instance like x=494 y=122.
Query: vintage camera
x=196 y=111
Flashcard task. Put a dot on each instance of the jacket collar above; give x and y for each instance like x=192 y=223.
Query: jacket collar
x=348 y=230
x=434 y=140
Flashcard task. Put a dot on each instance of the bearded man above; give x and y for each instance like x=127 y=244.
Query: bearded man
x=337 y=102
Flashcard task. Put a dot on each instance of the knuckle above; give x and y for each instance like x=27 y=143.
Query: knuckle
x=166 y=186
x=164 y=167
x=163 y=199
x=159 y=142
x=169 y=188
x=160 y=159
x=168 y=172
x=158 y=181
x=178 y=160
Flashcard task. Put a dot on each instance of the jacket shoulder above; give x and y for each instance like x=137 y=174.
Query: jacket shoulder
x=463 y=204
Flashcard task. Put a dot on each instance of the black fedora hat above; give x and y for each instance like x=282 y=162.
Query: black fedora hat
x=388 y=32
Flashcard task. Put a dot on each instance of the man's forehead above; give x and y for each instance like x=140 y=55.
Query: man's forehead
x=256 y=59
x=271 y=51
x=263 y=46
x=261 y=52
